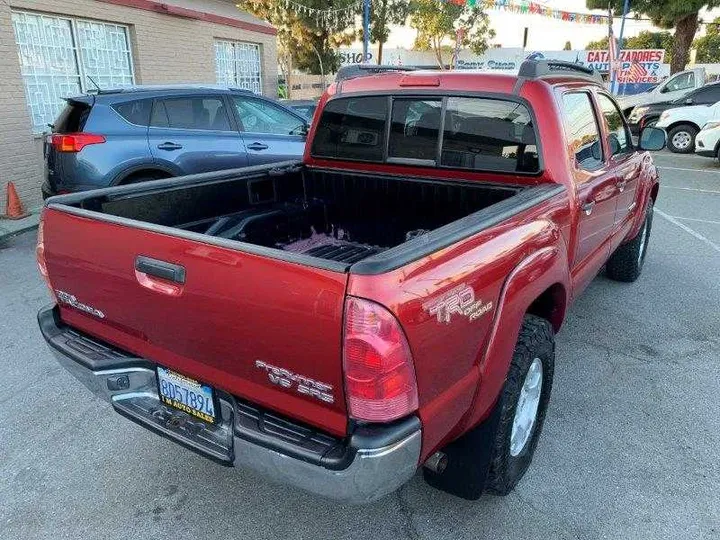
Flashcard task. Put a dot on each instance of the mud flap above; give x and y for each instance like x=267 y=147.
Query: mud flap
x=469 y=460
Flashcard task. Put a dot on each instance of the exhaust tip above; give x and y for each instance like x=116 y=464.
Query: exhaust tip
x=437 y=463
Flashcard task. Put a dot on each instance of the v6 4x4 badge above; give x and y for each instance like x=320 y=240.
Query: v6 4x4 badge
x=459 y=301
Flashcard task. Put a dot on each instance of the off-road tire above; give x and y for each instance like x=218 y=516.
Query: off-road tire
x=626 y=263
x=536 y=340
x=691 y=130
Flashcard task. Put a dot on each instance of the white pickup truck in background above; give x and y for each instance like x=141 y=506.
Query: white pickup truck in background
x=672 y=88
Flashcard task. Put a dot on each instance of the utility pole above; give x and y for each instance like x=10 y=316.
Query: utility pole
x=626 y=7
x=366 y=30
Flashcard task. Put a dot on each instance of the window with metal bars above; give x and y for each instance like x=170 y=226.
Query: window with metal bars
x=60 y=55
x=237 y=64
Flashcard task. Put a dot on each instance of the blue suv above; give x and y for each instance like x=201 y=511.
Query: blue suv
x=144 y=133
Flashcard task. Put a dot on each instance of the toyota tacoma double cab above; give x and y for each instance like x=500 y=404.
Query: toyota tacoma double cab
x=386 y=305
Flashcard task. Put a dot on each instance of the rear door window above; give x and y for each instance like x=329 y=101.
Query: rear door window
x=196 y=113
x=490 y=135
x=352 y=128
x=136 y=112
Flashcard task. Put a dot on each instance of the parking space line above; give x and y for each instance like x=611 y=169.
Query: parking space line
x=664 y=168
x=688 y=230
x=692 y=189
x=698 y=220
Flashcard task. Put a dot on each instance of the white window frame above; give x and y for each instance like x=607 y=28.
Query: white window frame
x=85 y=84
x=236 y=73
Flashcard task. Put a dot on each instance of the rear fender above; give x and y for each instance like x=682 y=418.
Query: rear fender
x=537 y=273
x=150 y=165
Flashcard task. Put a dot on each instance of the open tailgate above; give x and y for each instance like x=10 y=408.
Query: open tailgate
x=236 y=316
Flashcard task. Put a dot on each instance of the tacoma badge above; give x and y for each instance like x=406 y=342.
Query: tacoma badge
x=70 y=300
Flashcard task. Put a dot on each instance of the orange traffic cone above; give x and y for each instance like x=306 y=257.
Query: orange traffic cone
x=14 y=208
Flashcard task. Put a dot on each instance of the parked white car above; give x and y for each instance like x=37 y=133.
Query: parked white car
x=707 y=141
x=684 y=123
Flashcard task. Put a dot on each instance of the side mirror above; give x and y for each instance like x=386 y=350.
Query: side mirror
x=652 y=138
x=689 y=101
x=596 y=150
x=303 y=129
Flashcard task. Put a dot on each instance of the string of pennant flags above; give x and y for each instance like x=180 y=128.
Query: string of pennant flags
x=329 y=18
x=326 y=18
x=525 y=7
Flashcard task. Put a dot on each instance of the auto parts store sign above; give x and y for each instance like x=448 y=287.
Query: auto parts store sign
x=636 y=66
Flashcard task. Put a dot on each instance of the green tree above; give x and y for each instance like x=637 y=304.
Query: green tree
x=437 y=25
x=682 y=15
x=600 y=44
x=568 y=46
x=708 y=46
x=644 y=40
x=303 y=41
x=383 y=13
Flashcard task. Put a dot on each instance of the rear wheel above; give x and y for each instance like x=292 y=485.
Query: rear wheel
x=681 y=139
x=525 y=399
x=627 y=262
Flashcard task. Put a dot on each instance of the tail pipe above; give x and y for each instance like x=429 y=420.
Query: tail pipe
x=437 y=463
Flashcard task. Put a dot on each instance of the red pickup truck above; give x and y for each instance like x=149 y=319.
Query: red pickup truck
x=387 y=305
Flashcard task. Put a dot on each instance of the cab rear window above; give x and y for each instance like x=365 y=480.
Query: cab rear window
x=481 y=134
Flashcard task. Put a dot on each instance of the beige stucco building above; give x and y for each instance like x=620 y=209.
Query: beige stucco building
x=51 y=48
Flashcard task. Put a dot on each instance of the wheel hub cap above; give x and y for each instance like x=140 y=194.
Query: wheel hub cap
x=527 y=407
x=681 y=139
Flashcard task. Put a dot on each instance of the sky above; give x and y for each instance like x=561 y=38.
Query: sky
x=544 y=33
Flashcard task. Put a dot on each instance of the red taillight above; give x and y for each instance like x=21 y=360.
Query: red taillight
x=42 y=264
x=380 y=383
x=74 y=142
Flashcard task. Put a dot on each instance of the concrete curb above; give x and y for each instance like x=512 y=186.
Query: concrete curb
x=10 y=228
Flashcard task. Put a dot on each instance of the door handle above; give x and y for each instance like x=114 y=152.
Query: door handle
x=169 y=146
x=160 y=269
x=621 y=185
x=588 y=207
x=160 y=276
x=257 y=146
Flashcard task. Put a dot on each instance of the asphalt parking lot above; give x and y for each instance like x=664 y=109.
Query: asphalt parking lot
x=630 y=448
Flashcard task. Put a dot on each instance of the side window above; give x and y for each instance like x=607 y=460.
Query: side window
x=191 y=113
x=680 y=82
x=415 y=128
x=136 y=112
x=618 y=135
x=490 y=135
x=706 y=96
x=582 y=129
x=258 y=116
x=352 y=128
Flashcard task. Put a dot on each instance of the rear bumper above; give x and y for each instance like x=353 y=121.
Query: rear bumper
x=370 y=463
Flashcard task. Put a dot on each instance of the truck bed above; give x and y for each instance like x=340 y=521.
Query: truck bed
x=333 y=219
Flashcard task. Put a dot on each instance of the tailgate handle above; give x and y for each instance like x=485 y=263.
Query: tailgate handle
x=160 y=269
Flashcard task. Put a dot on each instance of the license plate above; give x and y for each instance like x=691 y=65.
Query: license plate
x=186 y=394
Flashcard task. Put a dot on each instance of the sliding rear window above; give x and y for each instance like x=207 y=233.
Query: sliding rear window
x=482 y=134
